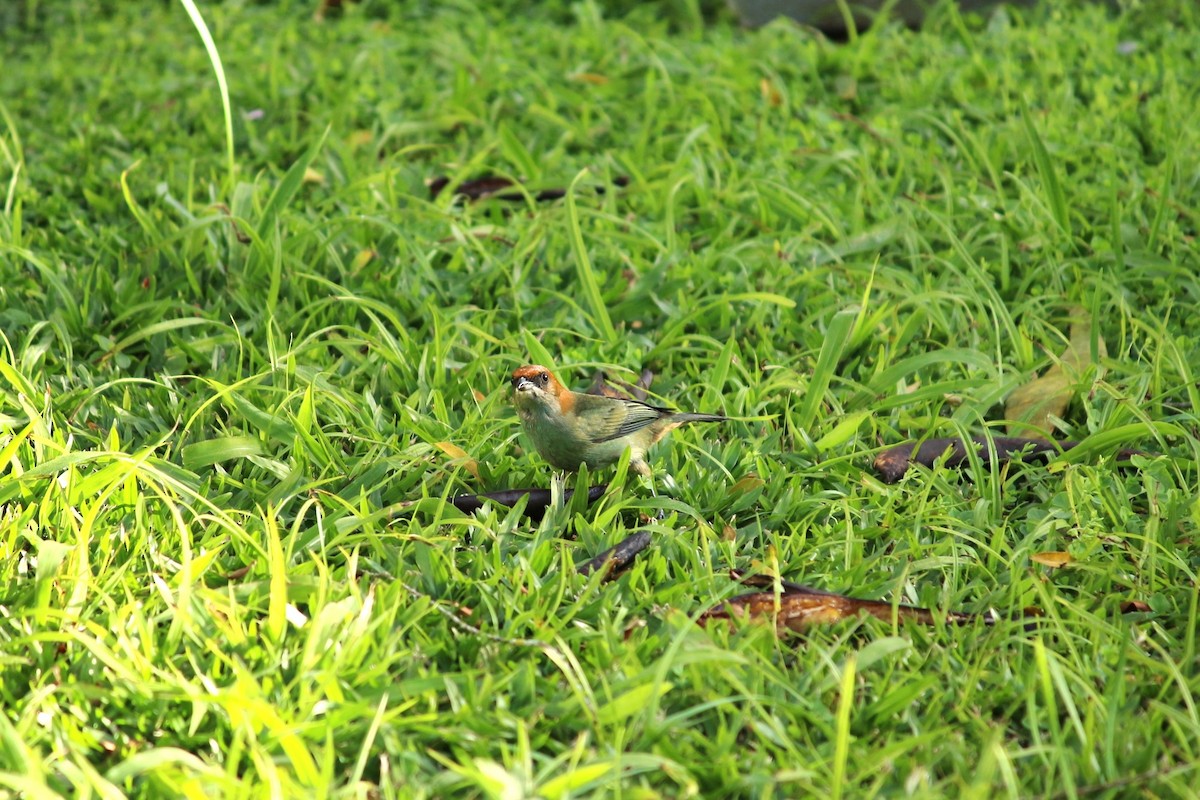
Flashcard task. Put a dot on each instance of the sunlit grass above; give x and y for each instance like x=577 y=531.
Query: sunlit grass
x=217 y=402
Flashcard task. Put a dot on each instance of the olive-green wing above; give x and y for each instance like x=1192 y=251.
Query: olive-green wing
x=609 y=418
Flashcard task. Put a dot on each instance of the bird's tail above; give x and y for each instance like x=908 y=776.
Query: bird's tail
x=684 y=418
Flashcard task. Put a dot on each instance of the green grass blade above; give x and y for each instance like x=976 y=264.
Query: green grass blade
x=214 y=57
x=538 y=354
x=1055 y=196
x=841 y=742
x=225 y=410
x=837 y=336
x=215 y=451
x=291 y=182
x=589 y=284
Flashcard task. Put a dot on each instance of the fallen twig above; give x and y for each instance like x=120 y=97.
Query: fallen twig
x=616 y=560
x=500 y=188
x=893 y=463
x=535 y=509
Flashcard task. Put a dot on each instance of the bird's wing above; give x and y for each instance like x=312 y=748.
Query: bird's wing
x=609 y=418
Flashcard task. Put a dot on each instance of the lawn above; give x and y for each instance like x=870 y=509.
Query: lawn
x=226 y=376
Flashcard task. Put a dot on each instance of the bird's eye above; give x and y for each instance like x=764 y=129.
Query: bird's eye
x=543 y=379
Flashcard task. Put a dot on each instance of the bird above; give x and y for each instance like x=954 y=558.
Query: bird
x=572 y=428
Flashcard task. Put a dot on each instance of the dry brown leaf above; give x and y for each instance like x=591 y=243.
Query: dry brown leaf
x=798 y=607
x=798 y=611
x=240 y=572
x=457 y=453
x=1134 y=607
x=1041 y=399
x=1053 y=559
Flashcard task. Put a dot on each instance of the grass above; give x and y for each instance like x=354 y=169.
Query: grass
x=216 y=390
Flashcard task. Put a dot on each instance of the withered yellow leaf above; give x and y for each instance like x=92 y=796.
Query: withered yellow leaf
x=590 y=77
x=1053 y=559
x=769 y=93
x=746 y=483
x=457 y=453
x=1039 y=401
x=363 y=258
x=360 y=137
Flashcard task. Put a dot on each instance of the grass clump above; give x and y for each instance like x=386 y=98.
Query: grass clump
x=217 y=392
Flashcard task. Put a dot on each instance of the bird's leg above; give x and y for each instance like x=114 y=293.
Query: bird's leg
x=669 y=488
x=647 y=475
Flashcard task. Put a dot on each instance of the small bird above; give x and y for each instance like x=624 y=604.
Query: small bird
x=571 y=428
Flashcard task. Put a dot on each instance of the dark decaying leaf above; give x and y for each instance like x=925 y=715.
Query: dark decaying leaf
x=1039 y=402
x=500 y=188
x=893 y=463
x=798 y=607
x=1134 y=607
x=535 y=509
x=622 y=391
x=240 y=572
x=328 y=7
x=616 y=560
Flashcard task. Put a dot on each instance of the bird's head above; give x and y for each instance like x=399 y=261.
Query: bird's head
x=534 y=386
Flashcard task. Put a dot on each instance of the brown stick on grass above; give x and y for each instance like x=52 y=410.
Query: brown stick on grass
x=893 y=463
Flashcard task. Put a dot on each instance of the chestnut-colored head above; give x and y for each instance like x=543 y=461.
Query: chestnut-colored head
x=533 y=384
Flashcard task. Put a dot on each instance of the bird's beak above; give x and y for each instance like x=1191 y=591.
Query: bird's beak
x=522 y=384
